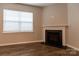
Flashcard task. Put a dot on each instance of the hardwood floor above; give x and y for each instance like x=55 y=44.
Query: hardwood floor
x=36 y=49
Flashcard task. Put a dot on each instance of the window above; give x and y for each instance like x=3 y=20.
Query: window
x=17 y=21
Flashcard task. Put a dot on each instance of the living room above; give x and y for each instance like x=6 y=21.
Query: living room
x=30 y=26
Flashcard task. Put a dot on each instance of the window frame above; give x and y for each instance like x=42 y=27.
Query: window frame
x=19 y=22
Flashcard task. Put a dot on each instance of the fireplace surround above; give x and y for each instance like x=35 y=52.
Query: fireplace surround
x=60 y=28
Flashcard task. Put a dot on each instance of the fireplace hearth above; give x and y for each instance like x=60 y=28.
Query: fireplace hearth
x=53 y=38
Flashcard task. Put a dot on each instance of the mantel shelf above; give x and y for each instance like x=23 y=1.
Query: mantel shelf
x=56 y=26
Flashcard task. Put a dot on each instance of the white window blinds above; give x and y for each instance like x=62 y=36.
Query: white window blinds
x=17 y=21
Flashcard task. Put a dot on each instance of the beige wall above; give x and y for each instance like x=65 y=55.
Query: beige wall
x=6 y=38
x=73 y=21
x=55 y=14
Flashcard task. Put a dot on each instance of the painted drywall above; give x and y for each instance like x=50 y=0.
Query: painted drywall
x=8 y=38
x=73 y=21
x=55 y=15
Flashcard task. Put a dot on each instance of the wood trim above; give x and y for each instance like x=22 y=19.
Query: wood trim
x=75 y=48
x=7 y=44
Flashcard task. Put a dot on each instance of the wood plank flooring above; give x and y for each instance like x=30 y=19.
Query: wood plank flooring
x=36 y=49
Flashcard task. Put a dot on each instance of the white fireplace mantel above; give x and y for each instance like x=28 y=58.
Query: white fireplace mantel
x=55 y=28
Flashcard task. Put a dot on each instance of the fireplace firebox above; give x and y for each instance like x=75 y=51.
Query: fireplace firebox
x=53 y=38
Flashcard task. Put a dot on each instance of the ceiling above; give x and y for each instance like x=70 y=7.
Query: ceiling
x=39 y=4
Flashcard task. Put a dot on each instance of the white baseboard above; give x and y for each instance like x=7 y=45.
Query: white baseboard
x=72 y=47
x=6 y=44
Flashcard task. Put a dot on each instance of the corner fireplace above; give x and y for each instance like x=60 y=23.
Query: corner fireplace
x=53 y=38
x=57 y=33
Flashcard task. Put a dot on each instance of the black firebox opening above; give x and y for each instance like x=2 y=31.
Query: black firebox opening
x=53 y=38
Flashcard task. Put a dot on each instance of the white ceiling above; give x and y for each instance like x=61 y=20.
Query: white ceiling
x=39 y=4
